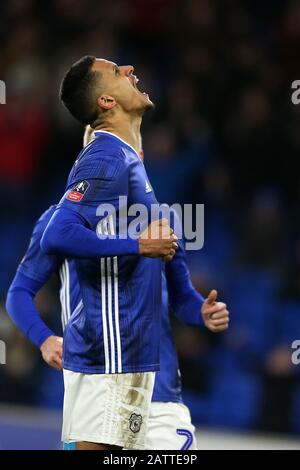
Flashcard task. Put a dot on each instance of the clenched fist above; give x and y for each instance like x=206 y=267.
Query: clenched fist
x=51 y=350
x=215 y=314
x=158 y=241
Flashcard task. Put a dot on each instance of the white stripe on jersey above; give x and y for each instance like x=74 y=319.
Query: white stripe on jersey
x=116 y=298
x=110 y=317
x=103 y=298
x=109 y=289
x=116 y=287
x=68 y=306
x=77 y=308
x=62 y=295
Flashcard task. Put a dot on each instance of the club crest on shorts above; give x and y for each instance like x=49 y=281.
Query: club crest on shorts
x=135 y=422
x=77 y=193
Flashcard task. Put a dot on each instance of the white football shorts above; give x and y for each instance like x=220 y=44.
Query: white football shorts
x=170 y=427
x=107 y=408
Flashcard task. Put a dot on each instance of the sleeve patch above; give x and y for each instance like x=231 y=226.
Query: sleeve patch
x=76 y=194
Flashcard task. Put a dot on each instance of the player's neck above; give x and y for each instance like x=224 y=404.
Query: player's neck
x=127 y=130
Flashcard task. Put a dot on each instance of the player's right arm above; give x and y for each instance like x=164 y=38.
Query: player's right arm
x=71 y=231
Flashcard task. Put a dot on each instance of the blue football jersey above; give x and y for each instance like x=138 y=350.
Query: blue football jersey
x=117 y=328
x=35 y=264
x=167 y=386
x=40 y=266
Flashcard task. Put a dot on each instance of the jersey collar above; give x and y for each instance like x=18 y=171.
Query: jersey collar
x=117 y=137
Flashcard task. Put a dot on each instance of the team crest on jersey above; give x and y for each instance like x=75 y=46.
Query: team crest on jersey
x=135 y=422
x=78 y=191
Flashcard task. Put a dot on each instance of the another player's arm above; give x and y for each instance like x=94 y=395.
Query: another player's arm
x=188 y=305
x=33 y=272
x=22 y=310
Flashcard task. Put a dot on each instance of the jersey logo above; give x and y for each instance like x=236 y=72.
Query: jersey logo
x=148 y=187
x=135 y=422
x=78 y=191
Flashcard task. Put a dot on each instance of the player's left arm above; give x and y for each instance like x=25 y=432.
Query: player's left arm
x=32 y=274
x=188 y=304
x=22 y=310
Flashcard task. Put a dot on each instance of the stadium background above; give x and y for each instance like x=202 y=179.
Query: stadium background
x=224 y=133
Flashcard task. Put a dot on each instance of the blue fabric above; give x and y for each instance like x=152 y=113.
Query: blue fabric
x=178 y=294
x=66 y=235
x=167 y=386
x=21 y=306
x=33 y=272
x=184 y=300
x=118 y=328
x=22 y=310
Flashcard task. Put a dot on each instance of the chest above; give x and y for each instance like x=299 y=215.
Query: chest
x=140 y=189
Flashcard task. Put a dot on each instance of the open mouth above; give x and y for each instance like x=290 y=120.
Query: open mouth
x=134 y=84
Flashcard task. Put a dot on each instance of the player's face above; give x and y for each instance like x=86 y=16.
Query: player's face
x=121 y=84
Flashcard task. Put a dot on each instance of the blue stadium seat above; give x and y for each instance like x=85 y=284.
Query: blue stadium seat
x=235 y=401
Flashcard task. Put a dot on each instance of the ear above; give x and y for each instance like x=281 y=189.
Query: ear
x=106 y=102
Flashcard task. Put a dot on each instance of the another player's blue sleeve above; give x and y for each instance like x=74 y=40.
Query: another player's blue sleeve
x=33 y=272
x=72 y=229
x=21 y=308
x=185 y=301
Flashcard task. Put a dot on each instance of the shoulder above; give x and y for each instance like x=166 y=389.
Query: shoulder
x=43 y=221
x=101 y=159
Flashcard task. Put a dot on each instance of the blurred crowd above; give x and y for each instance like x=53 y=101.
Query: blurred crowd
x=224 y=133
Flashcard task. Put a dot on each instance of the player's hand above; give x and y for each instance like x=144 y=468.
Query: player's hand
x=215 y=314
x=51 y=350
x=158 y=241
